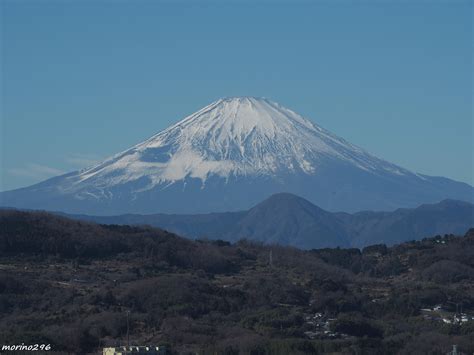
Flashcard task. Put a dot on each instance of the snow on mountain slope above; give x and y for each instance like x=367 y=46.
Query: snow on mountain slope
x=229 y=155
x=237 y=136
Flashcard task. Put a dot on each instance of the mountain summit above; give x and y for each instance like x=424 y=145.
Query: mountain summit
x=229 y=155
x=233 y=137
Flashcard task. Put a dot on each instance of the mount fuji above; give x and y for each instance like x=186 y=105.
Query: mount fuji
x=230 y=155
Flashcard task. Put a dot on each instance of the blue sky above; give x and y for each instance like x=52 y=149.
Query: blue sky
x=82 y=80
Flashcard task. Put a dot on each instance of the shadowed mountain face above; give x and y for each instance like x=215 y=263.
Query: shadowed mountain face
x=229 y=156
x=448 y=216
x=290 y=220
x=287 y=219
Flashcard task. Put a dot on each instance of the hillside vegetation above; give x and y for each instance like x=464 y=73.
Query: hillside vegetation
x=71 y=284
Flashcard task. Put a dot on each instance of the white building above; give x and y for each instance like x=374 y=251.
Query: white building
x=135 y=350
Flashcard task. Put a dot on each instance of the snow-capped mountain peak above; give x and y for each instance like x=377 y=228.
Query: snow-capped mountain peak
x=230 y=155
x=237 y=136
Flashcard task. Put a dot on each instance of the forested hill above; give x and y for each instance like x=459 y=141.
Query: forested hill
x=71 y=283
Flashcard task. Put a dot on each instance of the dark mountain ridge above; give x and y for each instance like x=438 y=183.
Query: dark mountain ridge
x=287 y=219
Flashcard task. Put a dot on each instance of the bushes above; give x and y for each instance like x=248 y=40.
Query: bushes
x=356 y=325
x=447 y=271
x=273 y=289
x=180 y=295
x=9 y=284
x=44 y=234
x=37 y=233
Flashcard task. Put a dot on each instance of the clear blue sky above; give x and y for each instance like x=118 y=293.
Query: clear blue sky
x=82 y=80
